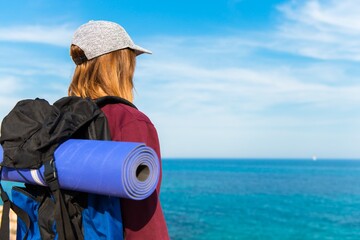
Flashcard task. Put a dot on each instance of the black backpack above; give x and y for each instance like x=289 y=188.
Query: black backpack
x=30 y=134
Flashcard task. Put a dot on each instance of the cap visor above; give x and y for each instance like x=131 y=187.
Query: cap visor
x=139 y=50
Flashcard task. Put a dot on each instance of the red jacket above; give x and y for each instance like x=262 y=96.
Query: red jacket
x=144 y=219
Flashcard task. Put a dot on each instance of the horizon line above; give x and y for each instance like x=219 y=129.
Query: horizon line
x=261 y=158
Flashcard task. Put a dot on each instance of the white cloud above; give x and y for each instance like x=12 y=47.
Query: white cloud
x=219 y=88
x=9 y=90
x=331 y=15
x=48 y=68
x=9 y=85
x=53 y=35
x=320 y=29
x=187 y=80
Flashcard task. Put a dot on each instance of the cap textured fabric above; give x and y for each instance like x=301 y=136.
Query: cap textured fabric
x=96 y=38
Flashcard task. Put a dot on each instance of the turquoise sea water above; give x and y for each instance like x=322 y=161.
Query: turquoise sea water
x=262 y=199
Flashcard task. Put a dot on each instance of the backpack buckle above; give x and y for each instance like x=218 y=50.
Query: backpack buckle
x=50 y=171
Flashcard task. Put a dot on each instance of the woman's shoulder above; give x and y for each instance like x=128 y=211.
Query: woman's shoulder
x=127 y=123
x=124 y=112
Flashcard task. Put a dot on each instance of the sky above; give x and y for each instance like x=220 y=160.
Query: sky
x=227 y=79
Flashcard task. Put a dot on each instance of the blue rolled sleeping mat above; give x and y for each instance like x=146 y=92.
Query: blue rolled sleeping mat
x=122 y=169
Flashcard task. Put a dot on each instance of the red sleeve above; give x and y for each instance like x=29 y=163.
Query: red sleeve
x=142 y=219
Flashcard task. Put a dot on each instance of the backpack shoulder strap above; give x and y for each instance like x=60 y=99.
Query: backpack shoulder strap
x=102 y=101
x=5 y=220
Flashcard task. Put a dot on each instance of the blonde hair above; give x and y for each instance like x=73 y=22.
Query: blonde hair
x=110 y=74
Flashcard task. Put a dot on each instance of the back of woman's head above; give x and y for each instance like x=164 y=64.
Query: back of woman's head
x=110 y=74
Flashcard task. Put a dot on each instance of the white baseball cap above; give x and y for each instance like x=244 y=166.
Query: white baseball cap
x=97 y=38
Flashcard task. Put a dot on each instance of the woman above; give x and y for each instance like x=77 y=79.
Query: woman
x=104 y=55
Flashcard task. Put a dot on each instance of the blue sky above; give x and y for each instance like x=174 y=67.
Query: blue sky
x=236 y=78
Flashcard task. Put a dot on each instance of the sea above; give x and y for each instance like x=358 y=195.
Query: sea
x=261 y=199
